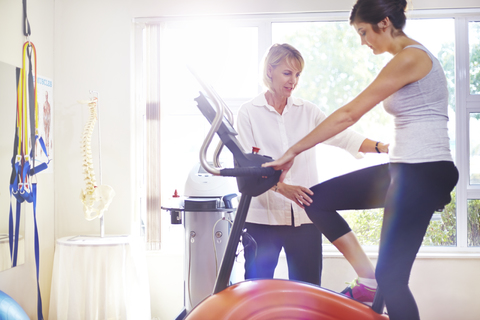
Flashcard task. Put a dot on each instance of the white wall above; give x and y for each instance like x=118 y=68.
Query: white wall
x=20 y=282
x=86 y=45
x=92 y=52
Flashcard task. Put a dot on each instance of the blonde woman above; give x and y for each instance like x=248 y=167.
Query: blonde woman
x=273 y=122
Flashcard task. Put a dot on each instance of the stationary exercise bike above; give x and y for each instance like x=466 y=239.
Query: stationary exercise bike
x=268 y=298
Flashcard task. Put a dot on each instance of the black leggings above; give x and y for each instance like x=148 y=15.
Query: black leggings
x=410 y=194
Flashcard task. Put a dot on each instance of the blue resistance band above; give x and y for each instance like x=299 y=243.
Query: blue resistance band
x=22 y=189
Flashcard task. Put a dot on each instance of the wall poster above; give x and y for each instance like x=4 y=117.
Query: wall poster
x=45 y=119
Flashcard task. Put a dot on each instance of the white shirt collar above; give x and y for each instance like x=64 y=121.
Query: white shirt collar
x=261 y=101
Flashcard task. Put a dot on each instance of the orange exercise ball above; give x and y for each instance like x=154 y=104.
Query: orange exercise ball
x=277 y=299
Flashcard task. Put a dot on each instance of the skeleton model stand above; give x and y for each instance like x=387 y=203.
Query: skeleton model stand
x=95 y=199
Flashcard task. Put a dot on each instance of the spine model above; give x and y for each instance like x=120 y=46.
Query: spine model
x=95 y=199
x=87 y=149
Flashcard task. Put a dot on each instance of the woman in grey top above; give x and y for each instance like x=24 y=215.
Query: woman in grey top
x=421 y=173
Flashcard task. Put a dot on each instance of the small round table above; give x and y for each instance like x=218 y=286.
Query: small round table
x=99 y=278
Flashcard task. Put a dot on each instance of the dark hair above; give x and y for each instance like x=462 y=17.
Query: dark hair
x=374 y=11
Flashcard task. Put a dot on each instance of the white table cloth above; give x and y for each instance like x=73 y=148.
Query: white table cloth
x=99 y=278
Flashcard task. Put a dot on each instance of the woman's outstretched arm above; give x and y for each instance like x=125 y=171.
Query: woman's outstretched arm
x=400 y=71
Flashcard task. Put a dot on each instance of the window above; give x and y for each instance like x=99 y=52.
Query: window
x=474 y=49
x=474 y=131
x=473 y=234
x=473 y=211
x=223 y=53
x=472 y=106
x=229 y=50
x=226 y=56
x=335 y=72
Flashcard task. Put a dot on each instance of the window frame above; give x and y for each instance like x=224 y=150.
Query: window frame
x=465 y=102
x=471 y=103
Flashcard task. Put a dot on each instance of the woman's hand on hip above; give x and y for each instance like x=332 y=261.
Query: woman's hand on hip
x=298 y=194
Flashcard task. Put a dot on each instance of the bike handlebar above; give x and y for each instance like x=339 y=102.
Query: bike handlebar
x=248 y=172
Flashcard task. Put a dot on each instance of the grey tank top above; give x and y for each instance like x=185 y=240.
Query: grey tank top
x=421 y=115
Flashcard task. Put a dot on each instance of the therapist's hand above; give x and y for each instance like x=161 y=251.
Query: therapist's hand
x=298 y=194
x=284 y=164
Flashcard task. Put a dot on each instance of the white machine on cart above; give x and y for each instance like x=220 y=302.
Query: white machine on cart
x=208 y=215
x=208 y=210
